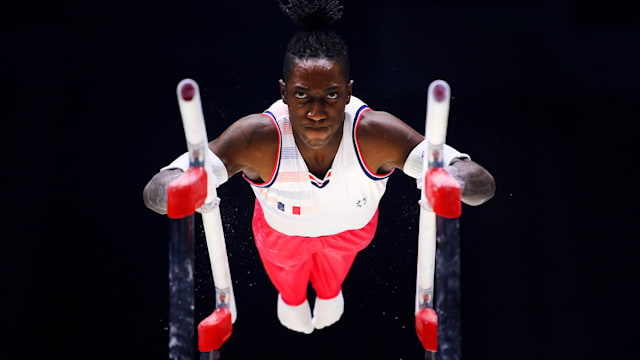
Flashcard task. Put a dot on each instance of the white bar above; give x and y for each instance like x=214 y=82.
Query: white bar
x=196 y=133
x=438 y=96
x=426 y=248
x=437 y=112
x=218 y=254
x=192 y=116
x=216 y=246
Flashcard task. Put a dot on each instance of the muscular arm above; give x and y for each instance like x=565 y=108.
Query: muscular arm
x=250 y=145
x=385 y=142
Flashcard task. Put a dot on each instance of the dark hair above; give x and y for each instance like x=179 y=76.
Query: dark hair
x=316 y=40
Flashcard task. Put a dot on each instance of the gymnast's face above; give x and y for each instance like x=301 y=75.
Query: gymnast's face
x=316 y=93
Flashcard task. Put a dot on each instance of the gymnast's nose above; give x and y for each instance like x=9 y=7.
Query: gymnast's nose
x=316 y=111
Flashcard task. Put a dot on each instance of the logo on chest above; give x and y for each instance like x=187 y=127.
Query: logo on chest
x=295 y=210
x=362 y=202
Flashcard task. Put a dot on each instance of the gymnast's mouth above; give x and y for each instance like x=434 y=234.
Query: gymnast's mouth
x=316 y=129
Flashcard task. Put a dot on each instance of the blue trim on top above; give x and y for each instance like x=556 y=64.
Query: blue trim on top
x=355 y=147
x=358 y=113
x=273 y=116
x=320 y=183
x=320 y=186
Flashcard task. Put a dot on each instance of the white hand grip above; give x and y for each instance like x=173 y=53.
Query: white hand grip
x=191 y=111
x=438 y=96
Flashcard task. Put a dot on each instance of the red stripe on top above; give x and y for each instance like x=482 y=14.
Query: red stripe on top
x=292 y=176
x=286 y=128
x=355 y=136
x=275 y=166
x=313 y=179
x=317 y=180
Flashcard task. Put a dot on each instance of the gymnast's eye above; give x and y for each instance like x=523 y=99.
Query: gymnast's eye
x=332 y=95
x=300 y=95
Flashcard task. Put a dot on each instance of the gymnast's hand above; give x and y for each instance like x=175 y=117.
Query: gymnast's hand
x=155 y=192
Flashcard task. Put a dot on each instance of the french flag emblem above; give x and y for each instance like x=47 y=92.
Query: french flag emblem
x=295 y=210
x=320 y=183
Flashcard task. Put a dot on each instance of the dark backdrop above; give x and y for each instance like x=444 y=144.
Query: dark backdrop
x=93 y=115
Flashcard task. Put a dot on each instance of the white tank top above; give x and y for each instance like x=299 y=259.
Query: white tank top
x=296 y=202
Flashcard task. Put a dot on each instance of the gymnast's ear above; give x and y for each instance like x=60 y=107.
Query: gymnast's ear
x=283 y=91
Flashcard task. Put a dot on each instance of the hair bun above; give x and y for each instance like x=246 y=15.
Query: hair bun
x=313 y=15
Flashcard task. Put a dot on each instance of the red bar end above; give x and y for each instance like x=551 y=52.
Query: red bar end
x=214 y=330
x=187 y=193
x=427 y=328
x=443 y=193
x=187 y=92
x=439 y=93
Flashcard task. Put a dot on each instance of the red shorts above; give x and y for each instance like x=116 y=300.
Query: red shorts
x=292 y=261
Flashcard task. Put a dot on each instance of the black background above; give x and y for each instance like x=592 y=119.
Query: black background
x=92 y=115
